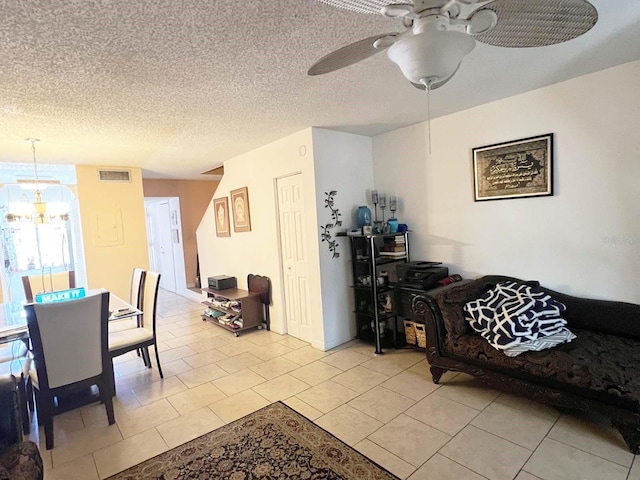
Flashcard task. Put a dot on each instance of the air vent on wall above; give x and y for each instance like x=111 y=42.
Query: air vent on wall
x=114 y=175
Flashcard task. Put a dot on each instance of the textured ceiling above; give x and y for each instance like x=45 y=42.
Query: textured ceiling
x=179 y=86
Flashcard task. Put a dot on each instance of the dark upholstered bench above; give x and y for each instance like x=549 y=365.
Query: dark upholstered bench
x=598 y=371
x=18 y=460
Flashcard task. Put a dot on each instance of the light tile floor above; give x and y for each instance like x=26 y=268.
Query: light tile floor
x=386 y=407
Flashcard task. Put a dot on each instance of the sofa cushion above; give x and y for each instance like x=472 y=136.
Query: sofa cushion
x=605 y=367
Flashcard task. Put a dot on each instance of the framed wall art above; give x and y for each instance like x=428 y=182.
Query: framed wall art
x=516 y=169
x=240 y=208
x=221 y=209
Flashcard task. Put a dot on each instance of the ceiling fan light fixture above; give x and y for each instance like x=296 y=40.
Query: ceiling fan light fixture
x=431 y=56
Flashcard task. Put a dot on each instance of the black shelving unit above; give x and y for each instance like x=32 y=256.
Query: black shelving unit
x=373 y=287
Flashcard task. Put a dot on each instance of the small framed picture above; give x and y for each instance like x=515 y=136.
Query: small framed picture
x=221 y=209
x=367 y=230
x=240 y=209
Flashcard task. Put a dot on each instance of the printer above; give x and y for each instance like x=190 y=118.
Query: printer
x=421 y=275
x=222 y=282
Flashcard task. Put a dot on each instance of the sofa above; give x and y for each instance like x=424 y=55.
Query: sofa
x=598 y=371
x=19 y=460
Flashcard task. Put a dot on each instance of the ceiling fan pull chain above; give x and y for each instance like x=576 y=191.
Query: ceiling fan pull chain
x=428 y=85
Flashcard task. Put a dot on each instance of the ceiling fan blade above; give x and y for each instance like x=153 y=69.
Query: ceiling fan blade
x=348 y=55
x=362 y=6
x=537 y=23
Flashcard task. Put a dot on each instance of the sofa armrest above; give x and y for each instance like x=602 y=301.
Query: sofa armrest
x=426 y=310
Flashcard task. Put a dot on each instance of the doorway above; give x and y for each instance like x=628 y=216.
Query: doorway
x=164 y=236
x=294 y=256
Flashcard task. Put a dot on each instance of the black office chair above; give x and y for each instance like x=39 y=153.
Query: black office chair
x=261 y=285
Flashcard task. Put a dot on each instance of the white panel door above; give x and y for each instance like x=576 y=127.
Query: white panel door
x=294 y=256
x=163 y=262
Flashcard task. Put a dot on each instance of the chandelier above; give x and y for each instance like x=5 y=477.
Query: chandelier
x=37 y=211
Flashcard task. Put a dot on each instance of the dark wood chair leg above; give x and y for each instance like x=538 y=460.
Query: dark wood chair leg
x=106 y=395
x=24 y=410
x=145 y=356
x=38 y=402
x=155 y=348
x=112 y=374
x=45 y=408
x=29 y=390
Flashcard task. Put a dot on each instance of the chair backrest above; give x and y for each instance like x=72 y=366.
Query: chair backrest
x=150 y=287
x=261 y=285
x=135 y=292
x=70 y=339
x=34 y=284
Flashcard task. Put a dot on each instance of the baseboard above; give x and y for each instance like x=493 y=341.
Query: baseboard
x=191 y=295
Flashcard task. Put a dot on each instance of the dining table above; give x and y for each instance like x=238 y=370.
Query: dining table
x=13 y=317
x=13 y=326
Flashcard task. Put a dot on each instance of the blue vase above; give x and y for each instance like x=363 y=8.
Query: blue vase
x=363 y=216
x=393 y=225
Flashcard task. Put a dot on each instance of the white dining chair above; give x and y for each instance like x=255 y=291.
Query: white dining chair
x=144 y=336
x=70 y=350
x=135 y=299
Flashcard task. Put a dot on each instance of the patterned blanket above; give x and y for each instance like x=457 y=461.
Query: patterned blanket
x=515 y=318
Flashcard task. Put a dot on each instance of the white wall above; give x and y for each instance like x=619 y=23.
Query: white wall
x=258 y=251
x=343 y=162
x=328 y=161
x=585 y=240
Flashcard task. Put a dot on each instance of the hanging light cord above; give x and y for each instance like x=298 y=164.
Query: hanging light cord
x=429 y=115
x=35 y=164
x=427 y=83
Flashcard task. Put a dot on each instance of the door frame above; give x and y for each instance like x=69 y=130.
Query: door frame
x=177 y=248
x=283 y=299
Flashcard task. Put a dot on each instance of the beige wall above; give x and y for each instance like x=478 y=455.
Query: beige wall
x=195 y=197
x=113 y=228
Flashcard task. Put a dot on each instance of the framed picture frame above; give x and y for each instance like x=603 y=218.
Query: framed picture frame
x=240 y=208
x=221 y=214
x=515 y=169
x=367 y=230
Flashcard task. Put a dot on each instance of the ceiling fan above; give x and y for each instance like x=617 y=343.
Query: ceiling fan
x=440 y=33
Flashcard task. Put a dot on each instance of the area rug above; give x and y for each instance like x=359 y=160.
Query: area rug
x=273 y=443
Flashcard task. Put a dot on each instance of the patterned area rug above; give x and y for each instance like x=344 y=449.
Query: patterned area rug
x=273 y=443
